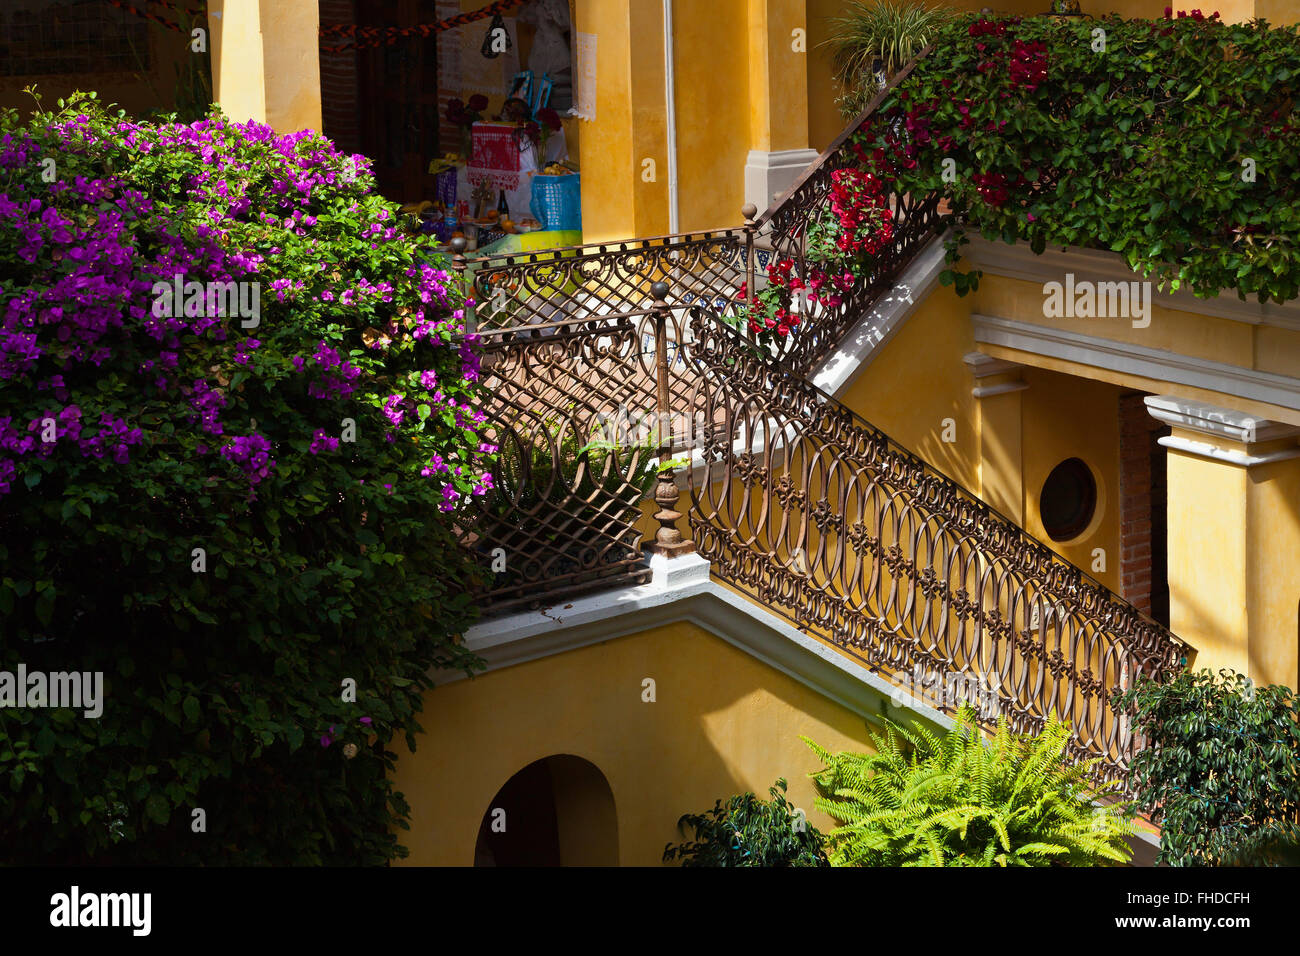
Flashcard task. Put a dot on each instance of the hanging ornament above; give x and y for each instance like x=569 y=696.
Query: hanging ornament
x=497 y=40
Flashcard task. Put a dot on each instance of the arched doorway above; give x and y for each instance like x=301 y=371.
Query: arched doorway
x=557 y=811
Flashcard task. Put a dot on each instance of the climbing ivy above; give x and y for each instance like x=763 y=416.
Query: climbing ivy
x=1173 y=142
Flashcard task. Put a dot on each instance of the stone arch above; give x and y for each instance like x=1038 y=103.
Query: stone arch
x=557 y=811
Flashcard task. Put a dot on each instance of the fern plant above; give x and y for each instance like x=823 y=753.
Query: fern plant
x=961 y=800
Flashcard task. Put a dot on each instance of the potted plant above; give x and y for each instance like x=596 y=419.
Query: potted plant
x=465 y=115
x=874 y=42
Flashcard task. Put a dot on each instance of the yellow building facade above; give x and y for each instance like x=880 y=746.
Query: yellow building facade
x=986 y=389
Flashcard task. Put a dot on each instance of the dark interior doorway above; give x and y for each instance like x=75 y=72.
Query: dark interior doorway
x=1159 y=526
x=1144 y=508
x=558 y=811
x=398 y=109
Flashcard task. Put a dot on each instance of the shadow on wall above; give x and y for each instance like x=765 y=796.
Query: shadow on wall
x=557 y=811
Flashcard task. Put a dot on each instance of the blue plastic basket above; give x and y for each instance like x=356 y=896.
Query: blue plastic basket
x=557 y=201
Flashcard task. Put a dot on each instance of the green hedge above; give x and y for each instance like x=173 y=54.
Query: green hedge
x=1174 y=142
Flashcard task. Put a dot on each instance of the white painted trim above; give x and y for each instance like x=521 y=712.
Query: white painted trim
x=881 y=323
x=1129 y=359
x=1206 y=450
x=768 y=173
x=682 y=591
x=670 y=121
x=1217 y=422
x=1018 y=261
x=982 y=365
x=988 y=391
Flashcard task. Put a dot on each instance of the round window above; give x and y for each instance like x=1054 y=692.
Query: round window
x=1068 y=500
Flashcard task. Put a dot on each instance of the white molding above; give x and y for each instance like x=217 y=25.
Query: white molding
x=988 y=391
x=1129 y=359
x=1018 y=261
x=684 y=592
x=768 y=173
x=1206 y=450
x=881 y=323
x=983 y=365
x=1217 y=422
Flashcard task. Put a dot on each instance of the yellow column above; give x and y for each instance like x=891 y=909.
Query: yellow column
x=623 y=195
x=778 y=98
x=266 y=61
x=1234 y=538
x=998 y=386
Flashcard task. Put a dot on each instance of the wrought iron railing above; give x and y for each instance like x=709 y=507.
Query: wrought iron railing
x=571 y=389
x=819 y=516
x=783 y=229
x=591 y=375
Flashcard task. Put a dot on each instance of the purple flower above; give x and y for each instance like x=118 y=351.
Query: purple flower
x=322 y=442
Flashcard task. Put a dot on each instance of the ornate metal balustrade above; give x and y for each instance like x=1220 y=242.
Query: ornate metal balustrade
x=571 y=388
x=590 y=376
x=822 y=518
x=783 y=229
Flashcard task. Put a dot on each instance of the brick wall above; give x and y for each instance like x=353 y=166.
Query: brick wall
x=1135 y=428
x=339 y=81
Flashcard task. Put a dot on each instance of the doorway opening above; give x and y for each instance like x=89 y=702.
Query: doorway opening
x=1144 y=507
x=557 y=811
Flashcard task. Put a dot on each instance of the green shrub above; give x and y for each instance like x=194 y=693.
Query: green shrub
x=1220 y=770
x=749 y=832
x=1176 y=146
x=959 y=800
x=234 y=516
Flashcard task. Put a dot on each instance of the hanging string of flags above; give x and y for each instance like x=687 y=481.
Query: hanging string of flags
x=161 y=20
x=361 y=37
x=353 y=37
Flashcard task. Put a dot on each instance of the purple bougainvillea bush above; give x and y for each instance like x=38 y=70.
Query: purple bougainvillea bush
x=235 y=427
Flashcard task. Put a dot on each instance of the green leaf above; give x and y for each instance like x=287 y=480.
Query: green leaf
x=157 y=809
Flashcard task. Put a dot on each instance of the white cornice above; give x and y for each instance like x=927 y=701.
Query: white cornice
x=682 y=591
x=1217 y=422
x=982 y=365
x=1139 y=360
x=1019 y=262
x=1204 y=449
x=1221 y=424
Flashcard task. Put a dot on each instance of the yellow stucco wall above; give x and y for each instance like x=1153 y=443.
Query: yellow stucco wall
x=1066 y=417
x=1273 y=586
x=266 y=62
x=1208 y=555
x=1233 y=533
x=722 y=723
x=714 y=104
x=1259 y=347
x=1005 y=446
x=919 y=379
